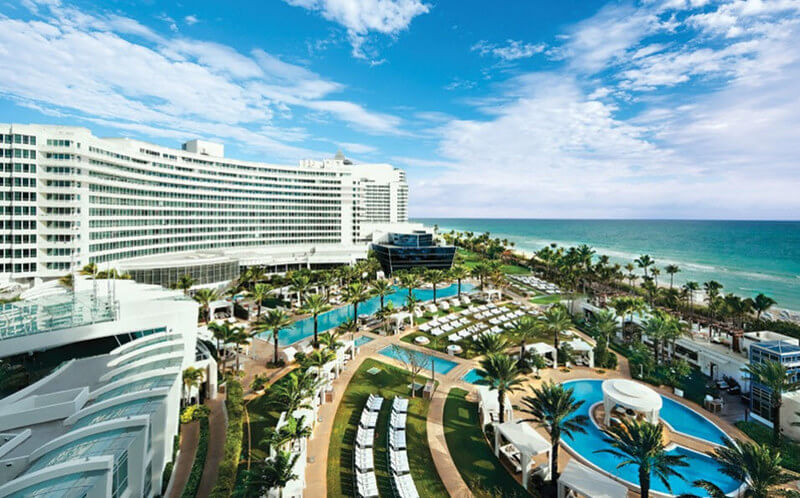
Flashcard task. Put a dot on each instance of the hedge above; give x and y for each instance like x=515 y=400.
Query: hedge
x=193 y=482
x=226 y=475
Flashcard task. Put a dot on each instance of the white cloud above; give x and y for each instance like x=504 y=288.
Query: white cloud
x=362 y=17
x=191 y=19
x=512 y=50
x=356 y=148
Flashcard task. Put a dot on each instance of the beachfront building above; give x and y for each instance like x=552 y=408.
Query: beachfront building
x=99 y=424
x=784 y=351
x=70 y=198
x=415 y=249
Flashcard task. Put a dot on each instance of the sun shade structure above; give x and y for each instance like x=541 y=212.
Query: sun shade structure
x=632 y=395
x=489 y=405
x=581 y=479
x=584 y=349
x=527 y=441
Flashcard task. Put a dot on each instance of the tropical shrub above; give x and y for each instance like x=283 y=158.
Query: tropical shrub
x=193 y=482
x=226 y=474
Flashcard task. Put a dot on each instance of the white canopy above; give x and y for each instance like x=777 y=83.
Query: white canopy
x=588 y=482
x=527 y=441
x=633 y=395
x=541 y=348
x=579 y=345
x=489 y=405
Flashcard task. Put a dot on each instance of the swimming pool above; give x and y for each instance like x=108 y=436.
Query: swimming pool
x=472 y=376
x=304 y=328
x=700 y=466
x=361 y=340
x=441 y=365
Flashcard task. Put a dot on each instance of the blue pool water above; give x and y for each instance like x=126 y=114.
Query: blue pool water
x=687 y=421
x=361 y=340
x=472 y=376
x=442 y=366
x=332 y=319
x=700 y=465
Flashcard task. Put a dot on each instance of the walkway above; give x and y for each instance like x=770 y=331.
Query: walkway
x=217 y=424
x=190 y=434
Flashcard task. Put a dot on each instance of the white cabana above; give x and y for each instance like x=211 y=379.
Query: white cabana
x=580 y=479
x=220 y=305
x=542 y=349
x=528 y=444
x=584 y=349
x=493 y=294
x=631 y=395
x=489 y=406
x=398 y=319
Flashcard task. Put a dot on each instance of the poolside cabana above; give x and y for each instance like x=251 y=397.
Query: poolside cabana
x=493 y=294
x=528 y=444
x=631 y=395
x=578 y=480
x=546 y=351
x=397 y=320
x=220 y=305
x=584 y=349
x=489 y=406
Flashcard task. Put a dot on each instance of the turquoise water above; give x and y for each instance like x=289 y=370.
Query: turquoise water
x=361 y=340
x=304 y=328
x=747 y=257
x=472 y=376
x=690 y=422
x=441 y=366
x=700 y=465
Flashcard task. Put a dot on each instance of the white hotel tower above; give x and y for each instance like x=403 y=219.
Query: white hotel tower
x=70 y=198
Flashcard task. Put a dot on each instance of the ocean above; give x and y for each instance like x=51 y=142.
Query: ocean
x=747 y=257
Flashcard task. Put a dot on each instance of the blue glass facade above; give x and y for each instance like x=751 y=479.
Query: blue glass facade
x=783 y=352
x=404 y=251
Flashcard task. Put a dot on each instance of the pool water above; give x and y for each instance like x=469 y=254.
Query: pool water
x=700 y=466
x=472 y=376
x=440 y=365
x=361 y=340
x=304 y=328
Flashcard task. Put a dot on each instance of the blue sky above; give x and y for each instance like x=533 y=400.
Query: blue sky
x=672 y=109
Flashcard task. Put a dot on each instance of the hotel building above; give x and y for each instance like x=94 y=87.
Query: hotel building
x=70 y=198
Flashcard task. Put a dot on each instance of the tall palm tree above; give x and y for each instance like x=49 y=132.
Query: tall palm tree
x=435 y=277
x=276 y=472
x=315 y=305
x=631 y=276
x=486 y=344
x=775 y=377
x=225 y=334
x=641 y=443
x=320 y=358
x=761 y=304
x=299 y=283
x=273 y=322
x=602 y=325
x=355 y=294
x=524 y=327
x=500 y=372
x=671 y=271
x=757 y=465
x=655 y=328
x=330 y=339
x=410 y=281
x=239 y=339
x=260 y=292
x=205 y=297
x=480 y=271
x=294 y=430
x=382 y=288
x=691 y=287
x=553 y=407
x=644 y=262
x=294 y=393
x=654 y=273
x=555 y=321
x=458 y=273
x=185 y=282
x=192 y=377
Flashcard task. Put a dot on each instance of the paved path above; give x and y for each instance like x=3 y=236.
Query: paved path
x=448 y=472
x=190 y=434
x=216 y=446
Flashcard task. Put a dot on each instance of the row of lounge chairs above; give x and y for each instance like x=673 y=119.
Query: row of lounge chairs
x=536 y=283
x=364 y=461
x=398 y=456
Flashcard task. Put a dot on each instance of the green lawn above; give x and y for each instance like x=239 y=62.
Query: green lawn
x=471 y=259
x=389 y=382
x=548 y=299
x=480 y=469
x=760 y=433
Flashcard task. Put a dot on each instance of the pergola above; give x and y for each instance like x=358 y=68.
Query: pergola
x=489 y=406
x=527 y=441
x=493 y=294
x=218 y=305
x=542 y=349
x=580 y=479
x=398 y=319
x=632 y=395
x=583 y=348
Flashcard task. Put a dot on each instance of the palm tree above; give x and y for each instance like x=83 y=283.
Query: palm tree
x=205 y=297
x=273 y=322
x=293 y=394
x=631 y=276
x=260 y=292
x=775 y=377
x=240 y=338
x=671 y=271
x=355 y=293
x=315 y=305
x=486 y=344
x=480 y=271
x=757 y=465
x=382 y=288
x=299 y=284
x=192 y=377
x=655 y=329
x=90 y=270
x=276 y=472
x=410 y=281
x=435 y=277
x=654 y=273
x=644 y=261
x=225 y=334
x=320 y=358
x=555 y=321
x=330 y=339
x=553 y=407
x=761 y=304
x=294 y=430
x=691 y=287
x=500 y=372
x=185 y=282
x=641 y=443
x=526 y=326
x=458 y=273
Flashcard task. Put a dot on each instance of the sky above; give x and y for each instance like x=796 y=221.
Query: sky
x=529 y=109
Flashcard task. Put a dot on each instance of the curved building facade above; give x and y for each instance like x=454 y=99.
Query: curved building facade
x=71 y=198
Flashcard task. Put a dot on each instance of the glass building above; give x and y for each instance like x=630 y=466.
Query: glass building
x=783 y=352
x=403 y=251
